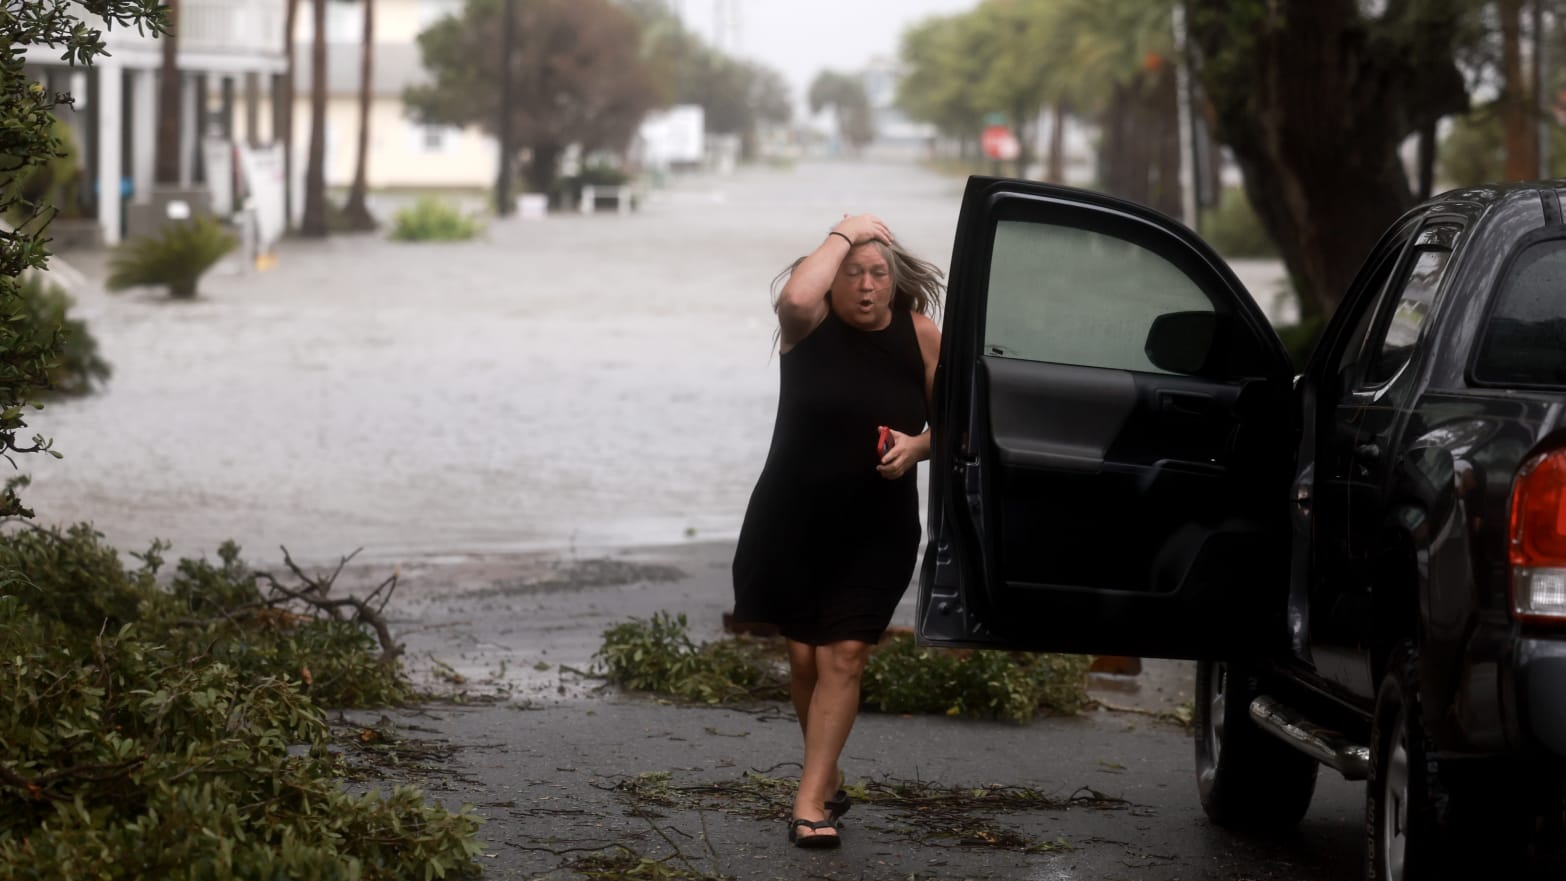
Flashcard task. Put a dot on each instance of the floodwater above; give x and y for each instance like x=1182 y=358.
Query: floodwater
x=574 y=382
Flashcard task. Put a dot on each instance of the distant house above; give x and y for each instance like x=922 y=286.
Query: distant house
x=402 y=153
x=230 y=55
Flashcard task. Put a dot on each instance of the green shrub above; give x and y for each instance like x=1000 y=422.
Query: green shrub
x=150 y=732
x=1234 y=230
x=434 y=220
x=45 y=319
x=176 y=258
x=658 y=656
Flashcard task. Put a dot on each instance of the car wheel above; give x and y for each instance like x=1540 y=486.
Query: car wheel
x=1401 y=829
x=1247 y=778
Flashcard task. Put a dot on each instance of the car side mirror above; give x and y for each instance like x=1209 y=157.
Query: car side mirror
x=1181 y=342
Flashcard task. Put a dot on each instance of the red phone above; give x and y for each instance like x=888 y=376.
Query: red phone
x=883 y=440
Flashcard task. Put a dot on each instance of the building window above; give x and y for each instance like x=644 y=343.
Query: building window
x=432 y=138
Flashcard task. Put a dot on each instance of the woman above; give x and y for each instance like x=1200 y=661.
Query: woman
x=832 y=530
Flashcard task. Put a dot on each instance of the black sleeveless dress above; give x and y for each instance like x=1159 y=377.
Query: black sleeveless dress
x=828 y=544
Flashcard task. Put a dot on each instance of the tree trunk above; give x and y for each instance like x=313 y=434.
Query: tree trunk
x=166 y=163
x=1113 y=143
x=1283 y=97
x=505 y=185
x=285 y=114
x=314 y=223
x=543 y=166
x=1163 y=110
x=357 y=212
x=1427 y=159
x=1515 y=102
x=1055 y=168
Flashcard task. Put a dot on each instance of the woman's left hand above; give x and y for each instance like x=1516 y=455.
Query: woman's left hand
x=902 y=457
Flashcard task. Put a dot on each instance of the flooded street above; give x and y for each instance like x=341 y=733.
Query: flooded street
x=576 y=382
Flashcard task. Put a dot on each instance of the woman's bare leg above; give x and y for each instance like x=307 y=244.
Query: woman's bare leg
x=801 y=679
x=833 y=705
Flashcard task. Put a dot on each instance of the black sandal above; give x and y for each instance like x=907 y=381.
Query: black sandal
x=838 y=805
x=814 y=841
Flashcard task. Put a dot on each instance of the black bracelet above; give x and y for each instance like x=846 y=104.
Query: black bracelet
x=843 y=237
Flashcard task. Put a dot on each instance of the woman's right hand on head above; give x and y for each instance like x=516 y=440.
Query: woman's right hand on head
x=861 y=228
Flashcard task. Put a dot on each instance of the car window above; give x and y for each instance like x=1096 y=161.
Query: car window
x=1351 y=348
x=1525 y=338
x=1400 y=329
x=1074 y=296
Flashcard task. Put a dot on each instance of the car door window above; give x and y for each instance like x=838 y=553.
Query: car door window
x=1404 y=317
x=1072 y=296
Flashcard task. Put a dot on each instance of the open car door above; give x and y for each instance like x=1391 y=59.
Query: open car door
x=1113 y=437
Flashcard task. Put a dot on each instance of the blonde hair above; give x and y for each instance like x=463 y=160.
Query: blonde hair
x=916 y=284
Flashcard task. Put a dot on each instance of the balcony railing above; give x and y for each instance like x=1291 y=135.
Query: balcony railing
x=217 y=27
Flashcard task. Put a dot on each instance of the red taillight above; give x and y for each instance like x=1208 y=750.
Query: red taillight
x=1537 y=539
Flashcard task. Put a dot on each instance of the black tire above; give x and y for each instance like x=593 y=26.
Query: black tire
x=1248 y=779
x=1404 y=797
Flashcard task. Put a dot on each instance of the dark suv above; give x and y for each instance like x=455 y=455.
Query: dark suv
x=1367 y=559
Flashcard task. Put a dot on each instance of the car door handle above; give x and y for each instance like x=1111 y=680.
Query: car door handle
x=1182 y=402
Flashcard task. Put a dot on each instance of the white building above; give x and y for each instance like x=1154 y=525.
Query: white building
x=230 y=53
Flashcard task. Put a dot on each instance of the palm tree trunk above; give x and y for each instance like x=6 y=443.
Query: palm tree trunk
x=284 y=115
x=314 y=223
x=357 y=212
x=166 y=164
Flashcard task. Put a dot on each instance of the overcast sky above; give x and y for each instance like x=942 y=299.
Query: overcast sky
x=800 y=38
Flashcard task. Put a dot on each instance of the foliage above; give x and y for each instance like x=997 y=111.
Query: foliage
x=1233 y=229
x=579 y=77
x=175 y=258
x=1474 y=151
x=902 y=677
x=149 y=730
x=657 y=655
x=1273 y=70
x=27 y=141
x=737 y=97
x=434 y=220
x=77 y=366
x=845 y=94
x=57 y=182
x=940 y=76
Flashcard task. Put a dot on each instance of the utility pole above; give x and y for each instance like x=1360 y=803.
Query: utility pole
x=503 y=183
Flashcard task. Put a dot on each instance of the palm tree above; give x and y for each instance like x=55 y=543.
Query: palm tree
x=314 y=223
x=166 y=164
x=357 y=212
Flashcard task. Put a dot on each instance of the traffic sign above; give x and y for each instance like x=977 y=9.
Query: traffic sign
x=999 y=143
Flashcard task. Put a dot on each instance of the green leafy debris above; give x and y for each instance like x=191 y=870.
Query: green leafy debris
x=657 y=655
x=151 y=731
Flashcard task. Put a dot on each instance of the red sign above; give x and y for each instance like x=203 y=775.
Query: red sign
x=999 y=143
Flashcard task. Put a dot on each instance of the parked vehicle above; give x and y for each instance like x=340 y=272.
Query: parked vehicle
x=1368 y=559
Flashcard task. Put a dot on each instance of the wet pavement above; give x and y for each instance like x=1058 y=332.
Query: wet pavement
x=563 y=771
x=552 y=429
